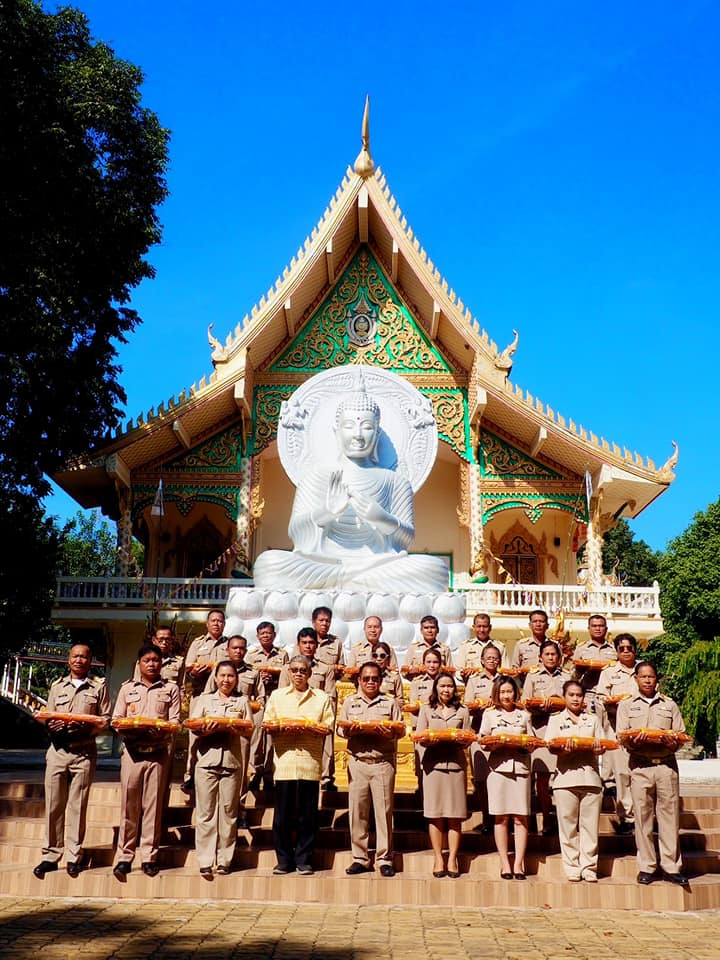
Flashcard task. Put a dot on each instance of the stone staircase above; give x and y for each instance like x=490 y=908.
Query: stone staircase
x=22 y=831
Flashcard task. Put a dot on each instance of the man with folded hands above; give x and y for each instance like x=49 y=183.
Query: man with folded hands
x=70 y=761
x=371 y=770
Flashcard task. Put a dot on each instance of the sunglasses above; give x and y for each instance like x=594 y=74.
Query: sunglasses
x=626 y=649
x=380 y=656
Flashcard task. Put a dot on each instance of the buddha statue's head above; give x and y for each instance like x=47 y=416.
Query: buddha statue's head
x=357 y=424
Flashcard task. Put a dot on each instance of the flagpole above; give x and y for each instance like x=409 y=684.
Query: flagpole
x=157 y=513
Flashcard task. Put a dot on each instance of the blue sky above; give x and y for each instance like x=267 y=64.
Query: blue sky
x=558 y=161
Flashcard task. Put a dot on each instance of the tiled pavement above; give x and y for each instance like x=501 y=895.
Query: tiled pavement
x=45 y=929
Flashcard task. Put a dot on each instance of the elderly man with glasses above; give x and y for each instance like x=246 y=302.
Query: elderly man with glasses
x=298 y=765
x=371 y=770
x=618 y=680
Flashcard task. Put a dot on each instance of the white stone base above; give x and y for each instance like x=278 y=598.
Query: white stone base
x=401 y=614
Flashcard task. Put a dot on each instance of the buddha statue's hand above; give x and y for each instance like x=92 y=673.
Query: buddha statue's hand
x=337 y=499
x=371 y=511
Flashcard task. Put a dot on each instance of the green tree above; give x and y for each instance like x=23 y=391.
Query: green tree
x=688 y=653
x=87 y=546
x=82 y=167
x=637 y=563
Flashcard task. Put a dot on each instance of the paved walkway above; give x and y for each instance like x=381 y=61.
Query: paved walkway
x=172 y=930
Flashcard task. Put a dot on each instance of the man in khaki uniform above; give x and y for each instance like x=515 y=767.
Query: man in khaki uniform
x=596 y=647
x=298 y=764
x=143 y=763
x=371 y=771
x=618 y=680
x=527 y=651
x=330 y=651
x=250 y=685
x=172 y=670
x=202 y=655
x=469 y=655
x=268 y=659
x=428 y=639
x=70 y=762
x=362 y=651
x=654 y=779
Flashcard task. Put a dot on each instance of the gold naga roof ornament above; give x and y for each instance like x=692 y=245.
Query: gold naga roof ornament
x=364 y=163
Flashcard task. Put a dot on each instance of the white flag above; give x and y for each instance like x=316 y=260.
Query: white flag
x=158 y=507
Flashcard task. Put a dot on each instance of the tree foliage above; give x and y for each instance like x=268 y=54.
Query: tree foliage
x=688 y=653
x=81 y=175
x=87 y=546
x=637 y=564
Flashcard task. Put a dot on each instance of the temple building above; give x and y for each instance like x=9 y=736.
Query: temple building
x=515 y=492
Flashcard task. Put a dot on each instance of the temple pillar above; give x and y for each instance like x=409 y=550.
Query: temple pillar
x=478 y=549
x=124 y=532
x=250 y=508
x=593 y=556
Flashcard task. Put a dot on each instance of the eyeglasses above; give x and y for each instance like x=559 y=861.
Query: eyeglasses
x=298 y=670
x=380 y=656
x=626 y=649
x=372 y=679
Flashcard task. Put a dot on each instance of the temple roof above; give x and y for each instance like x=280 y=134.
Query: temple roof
x=363 y=211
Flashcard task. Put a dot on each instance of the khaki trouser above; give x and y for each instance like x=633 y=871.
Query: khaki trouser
x=656 y=795
x=217 y=792
x=618 y=763
x=578 y=813
x=68 y=778
x=371 y=785
x=141 y=782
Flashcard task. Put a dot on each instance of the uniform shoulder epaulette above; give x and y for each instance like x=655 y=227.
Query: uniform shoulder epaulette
x=56 y=682
x=535 y=668
x=129 y=680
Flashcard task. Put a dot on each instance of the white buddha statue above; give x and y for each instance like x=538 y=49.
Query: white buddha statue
x=352 y=521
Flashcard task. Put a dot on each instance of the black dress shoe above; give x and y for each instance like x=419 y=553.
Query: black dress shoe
x=121 y=870
x=279 y=870
x=255 y=781
x=439 y=874
x=679 y=878
x=222 y=871
x=74 y=869
x=47 y=866
x=356 y=868
x=206 y=872
x=151 y=868
x=453 y=874
x=506 y=876
x=646 y=878
x=386 y=870
x=305 y=869
x=519 y=876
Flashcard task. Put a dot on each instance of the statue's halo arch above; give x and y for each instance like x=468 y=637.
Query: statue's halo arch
x=408 y=429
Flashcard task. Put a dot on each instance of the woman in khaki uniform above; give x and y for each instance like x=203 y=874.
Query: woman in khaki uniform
x=542 y=682
x=577 y=786
x=390 y=680
x=420 y=690
x=508 y=782
x=444 y=767
x=479 y=686
x=222 y=759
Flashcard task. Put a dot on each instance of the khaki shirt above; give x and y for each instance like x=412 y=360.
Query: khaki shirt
x=172 y=669
x=221 y=749
x=91 y=696
x=366 y=746
x=298 y=756
x=526 y=653
x=443 y=756
x=416 y=650
x=592 y=651
x=479 y=687
x=276 y=657
x=515 y=721
x=392 y=685
x=662 y=714
x=249 y=683
x=203 y=650
x=161 y=701
x=541 y=683
x=471 y=651
x=579 y=768
x=330 y=651
x=361 y=652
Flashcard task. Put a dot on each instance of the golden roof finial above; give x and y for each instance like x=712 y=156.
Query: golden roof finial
x=364 y=164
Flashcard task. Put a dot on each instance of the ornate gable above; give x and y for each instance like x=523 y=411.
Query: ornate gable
x=363 y=320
